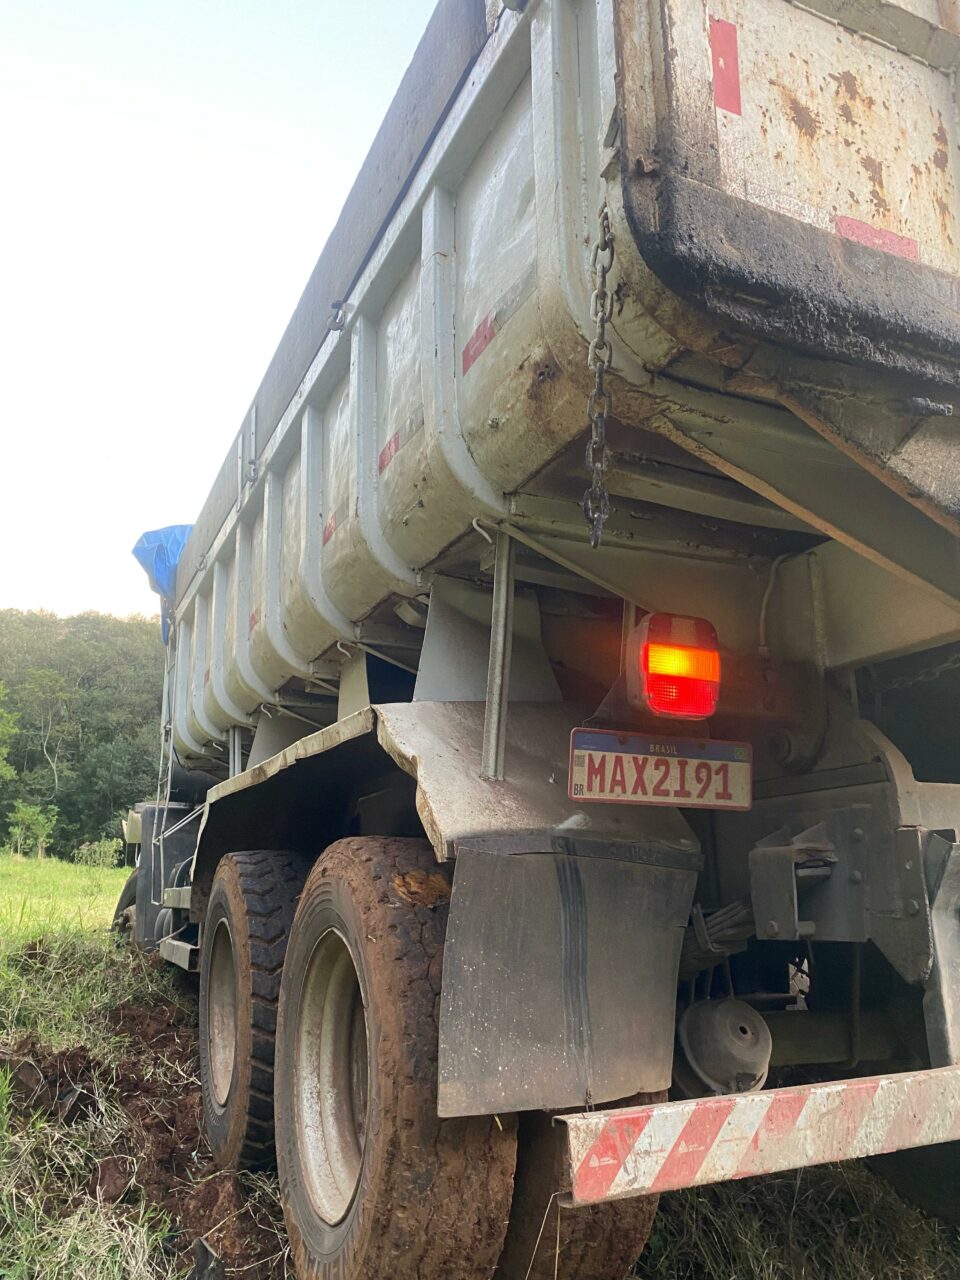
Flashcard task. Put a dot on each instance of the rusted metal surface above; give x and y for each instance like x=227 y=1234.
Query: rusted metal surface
x=838 y=132
x=948 y=12
x=806 y=179
x=448 y=49
x=667 y=1146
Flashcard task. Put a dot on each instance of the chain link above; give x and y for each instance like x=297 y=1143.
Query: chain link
x=596 y=500
x=926 y=676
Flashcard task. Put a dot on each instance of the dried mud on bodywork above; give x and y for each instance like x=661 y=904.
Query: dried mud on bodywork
x=160 y=1160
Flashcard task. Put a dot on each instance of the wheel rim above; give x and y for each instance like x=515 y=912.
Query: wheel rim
x=331 y=1081
x=222 y=1013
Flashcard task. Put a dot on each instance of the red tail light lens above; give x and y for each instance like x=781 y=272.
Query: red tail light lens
x=673 y=666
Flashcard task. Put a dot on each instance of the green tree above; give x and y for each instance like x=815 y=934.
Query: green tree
x=31 y=826
x=8 y=732
x=80 y=722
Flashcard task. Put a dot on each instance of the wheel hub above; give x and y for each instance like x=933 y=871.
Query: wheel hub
x=222 y=1013
x=331 y=1085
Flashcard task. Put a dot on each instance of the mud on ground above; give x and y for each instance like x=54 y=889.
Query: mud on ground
x=160 y=1158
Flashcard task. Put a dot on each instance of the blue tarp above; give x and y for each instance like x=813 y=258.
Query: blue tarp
x=159 y=552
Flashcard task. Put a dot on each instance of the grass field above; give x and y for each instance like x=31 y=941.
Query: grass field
x=60 y=978
x=103 y=1171
x=46 y=896
x=101 y=1159
x=65 y=911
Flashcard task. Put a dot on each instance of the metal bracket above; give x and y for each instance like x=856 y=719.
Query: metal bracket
x=501 y=652
x=777 y=864
x=234 y=745
x=179 y=897
x=940 y=1004
x=185 y=955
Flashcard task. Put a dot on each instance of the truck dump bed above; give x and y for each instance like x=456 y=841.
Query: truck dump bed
x=781 y=186
x=448 y=49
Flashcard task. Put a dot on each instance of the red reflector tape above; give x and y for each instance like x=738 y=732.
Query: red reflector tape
x=481 y=339
x=389 y=452
x=670 y=1145
x=877 y=238
x=724 y=48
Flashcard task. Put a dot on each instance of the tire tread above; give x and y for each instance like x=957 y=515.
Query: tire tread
x=447 y=1183
x=269 y=884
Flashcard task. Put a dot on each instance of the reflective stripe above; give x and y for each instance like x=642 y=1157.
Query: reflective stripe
x=665 y=1146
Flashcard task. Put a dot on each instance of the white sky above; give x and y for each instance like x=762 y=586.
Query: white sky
x=169 y=172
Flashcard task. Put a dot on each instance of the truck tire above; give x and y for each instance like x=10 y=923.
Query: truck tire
x=601 y=1242
x=247 y=922
x=125 y=912
x=372 y=1182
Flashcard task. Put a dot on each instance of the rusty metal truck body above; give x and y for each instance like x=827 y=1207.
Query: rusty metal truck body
x=715 y=245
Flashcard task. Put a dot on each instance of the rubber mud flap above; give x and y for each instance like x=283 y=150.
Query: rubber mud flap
x=400 y=1192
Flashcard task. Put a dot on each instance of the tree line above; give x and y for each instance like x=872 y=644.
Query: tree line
x=79 y=726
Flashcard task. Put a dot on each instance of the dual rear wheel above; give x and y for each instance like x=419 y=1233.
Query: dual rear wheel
x=373 y=1183
x=247 y=923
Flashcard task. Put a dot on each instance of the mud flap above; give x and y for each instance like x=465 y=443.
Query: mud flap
x=559 y=979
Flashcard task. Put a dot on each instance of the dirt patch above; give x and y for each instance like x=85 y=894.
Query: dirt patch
x=113 y=1179
x=422 y=888
x=173 y=1165
x=162 y=1158
x=54 y=1084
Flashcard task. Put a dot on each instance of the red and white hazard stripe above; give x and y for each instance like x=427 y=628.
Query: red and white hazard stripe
x=666 y=1146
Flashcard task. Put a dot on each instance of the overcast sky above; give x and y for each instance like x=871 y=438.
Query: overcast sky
x=169 y=172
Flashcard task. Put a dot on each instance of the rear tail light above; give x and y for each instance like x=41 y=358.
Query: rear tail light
x=673 y=667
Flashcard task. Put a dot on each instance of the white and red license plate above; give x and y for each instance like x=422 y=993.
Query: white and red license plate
x=688 y=773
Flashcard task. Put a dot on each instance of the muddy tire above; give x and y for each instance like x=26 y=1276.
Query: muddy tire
x=246 y=926
x=372 y=1182
x=598 y=1243
x=125 y=912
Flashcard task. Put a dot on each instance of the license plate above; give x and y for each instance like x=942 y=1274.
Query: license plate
x=687 y=773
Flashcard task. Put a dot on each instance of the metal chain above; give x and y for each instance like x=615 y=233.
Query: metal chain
x=926 y=676
x=596 y=500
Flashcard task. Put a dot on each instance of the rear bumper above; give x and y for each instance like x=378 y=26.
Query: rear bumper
x=644 y=1150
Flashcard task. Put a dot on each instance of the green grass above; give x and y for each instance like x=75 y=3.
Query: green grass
x=61 y=975
x=50 y=1224
x=61 y=971
x=44 y=895
x=840 y=1222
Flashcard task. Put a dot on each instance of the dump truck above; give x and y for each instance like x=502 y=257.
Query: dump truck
x=562 y=783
